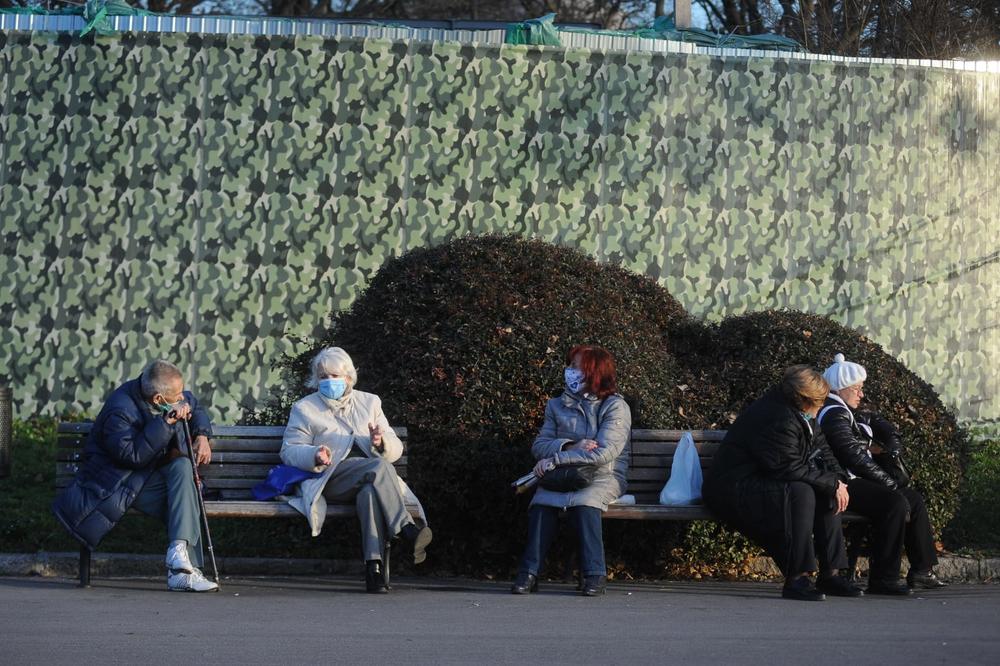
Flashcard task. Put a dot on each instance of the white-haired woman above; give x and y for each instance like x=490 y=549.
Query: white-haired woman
x=874 y=492
x=342 y=434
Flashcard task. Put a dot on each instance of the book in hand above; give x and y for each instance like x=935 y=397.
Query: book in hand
x=525 y=483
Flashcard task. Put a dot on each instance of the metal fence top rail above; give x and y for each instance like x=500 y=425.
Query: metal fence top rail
x=469 y=32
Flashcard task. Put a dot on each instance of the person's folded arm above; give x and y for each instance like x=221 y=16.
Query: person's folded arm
x=547 y=444
x=131 y=444
x=849 y=451
x=297 y=448
x=776 y=453
x=613 y=434
x=200 y=423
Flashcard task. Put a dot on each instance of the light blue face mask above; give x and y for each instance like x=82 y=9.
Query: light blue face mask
x=574 y=379
x=333 y=389
x=807 y=417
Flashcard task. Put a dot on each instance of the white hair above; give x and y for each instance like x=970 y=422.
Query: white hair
x=332 y=360
x=158 y=378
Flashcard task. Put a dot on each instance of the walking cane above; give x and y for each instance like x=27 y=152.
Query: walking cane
x=201 y=500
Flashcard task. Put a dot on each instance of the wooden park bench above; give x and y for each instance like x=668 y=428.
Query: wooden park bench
x=649 y=469
x=242 y=456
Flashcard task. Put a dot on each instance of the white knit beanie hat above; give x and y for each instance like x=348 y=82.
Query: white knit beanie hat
x=843 y=373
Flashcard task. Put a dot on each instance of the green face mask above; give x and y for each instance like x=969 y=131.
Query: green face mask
x=167 y=407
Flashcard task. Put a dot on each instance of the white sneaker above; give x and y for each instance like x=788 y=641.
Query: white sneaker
x=177 y=558
x=190 y=582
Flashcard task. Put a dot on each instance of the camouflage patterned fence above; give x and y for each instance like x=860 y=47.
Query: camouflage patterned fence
x=202 y=197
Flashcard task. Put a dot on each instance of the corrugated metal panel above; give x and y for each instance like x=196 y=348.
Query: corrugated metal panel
x=251 y=25
x=621 y=42
x=241 y=25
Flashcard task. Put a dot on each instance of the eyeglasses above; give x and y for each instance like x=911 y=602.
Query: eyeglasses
x=856 y=389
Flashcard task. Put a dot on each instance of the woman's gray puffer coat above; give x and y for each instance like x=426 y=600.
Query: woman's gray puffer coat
x=572 y=417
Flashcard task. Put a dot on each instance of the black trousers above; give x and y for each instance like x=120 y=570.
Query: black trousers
x=888 y=510
x=812 y=528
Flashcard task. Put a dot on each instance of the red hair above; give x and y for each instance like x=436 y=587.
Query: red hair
x=598 y=367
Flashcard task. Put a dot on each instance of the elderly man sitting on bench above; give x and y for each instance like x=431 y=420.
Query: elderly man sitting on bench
x=134 y=457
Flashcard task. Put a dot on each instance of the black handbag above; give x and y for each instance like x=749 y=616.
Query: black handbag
x=568 y=478
x=894 y=466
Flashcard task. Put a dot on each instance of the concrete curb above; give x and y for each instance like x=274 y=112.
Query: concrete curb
x=952 y=568
x=106 y=565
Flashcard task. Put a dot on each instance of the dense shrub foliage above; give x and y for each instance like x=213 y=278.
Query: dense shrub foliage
x=754 y=349
x=976 y=526
x=465 y=342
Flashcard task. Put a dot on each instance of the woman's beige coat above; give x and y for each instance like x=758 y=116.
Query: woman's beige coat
x=316 y=421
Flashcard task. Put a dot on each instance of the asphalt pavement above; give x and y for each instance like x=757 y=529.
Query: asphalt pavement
x=458 y=621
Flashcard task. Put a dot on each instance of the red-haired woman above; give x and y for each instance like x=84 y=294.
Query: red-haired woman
x=587 y=426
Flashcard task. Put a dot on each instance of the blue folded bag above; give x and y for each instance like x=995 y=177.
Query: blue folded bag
x=280 y=479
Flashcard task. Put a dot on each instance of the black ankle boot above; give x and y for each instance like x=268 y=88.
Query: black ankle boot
x=374 y=582
x=594 y=585
x=890 y=587
x=420 y=538
x=801 y=589
x=924 y=580
x=525 y=583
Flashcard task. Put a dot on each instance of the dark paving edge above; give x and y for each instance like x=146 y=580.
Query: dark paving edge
x=953 y=568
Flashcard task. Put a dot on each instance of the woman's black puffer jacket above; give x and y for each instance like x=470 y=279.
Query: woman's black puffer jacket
x=850 y=444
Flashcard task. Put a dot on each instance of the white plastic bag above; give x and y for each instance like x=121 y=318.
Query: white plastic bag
x=684 y=485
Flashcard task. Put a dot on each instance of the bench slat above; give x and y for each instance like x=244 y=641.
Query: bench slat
x=668 y=448
x=66 y=472
x=657 y=474
x=657 y=512
x=663 y=461
x=218 y=457
x=207 y=472
x=268 y=431
x=640 y=434
x=274 y=509
x=263 y=445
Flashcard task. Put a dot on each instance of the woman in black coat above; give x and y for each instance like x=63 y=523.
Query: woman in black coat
x=775 y=480
x=874 y=492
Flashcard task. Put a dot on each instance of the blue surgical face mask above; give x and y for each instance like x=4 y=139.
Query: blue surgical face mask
x=807 y=417
x=574 y=379
x=333 y=389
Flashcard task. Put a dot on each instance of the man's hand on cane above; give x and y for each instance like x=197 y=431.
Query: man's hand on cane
x=181 y=412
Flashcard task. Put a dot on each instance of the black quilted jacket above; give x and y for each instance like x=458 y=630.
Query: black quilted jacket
x=769 y=445
x=850 y=443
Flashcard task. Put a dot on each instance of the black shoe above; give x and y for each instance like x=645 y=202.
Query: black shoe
x=594 y=585
x=420 y=537
x=525 y=583
x=892 y=588
x=838 y=586
x=801 y=589
x=374 y=582
x=924 y=581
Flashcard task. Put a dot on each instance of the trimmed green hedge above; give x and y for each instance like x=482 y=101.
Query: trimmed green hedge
x=758 y=346
x=465 y=342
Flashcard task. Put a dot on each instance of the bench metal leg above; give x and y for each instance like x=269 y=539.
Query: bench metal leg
x=84 y=567
x=856 y=535
x=385 y=564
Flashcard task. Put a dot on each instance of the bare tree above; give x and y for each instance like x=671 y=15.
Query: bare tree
x=880 y=28
x=602 y=13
